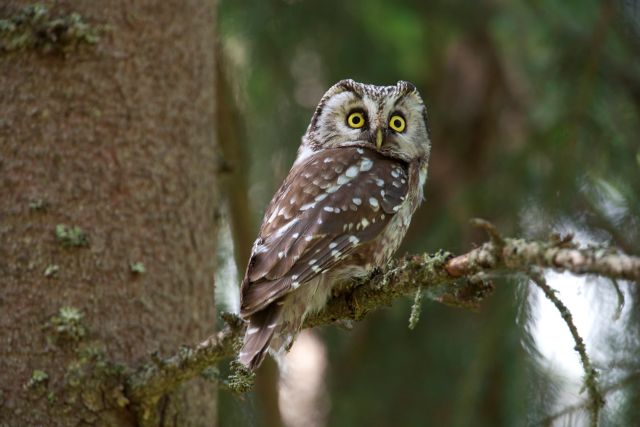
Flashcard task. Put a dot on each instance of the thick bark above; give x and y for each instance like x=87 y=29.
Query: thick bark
x=114 y=136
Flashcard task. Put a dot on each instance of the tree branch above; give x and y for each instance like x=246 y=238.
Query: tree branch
x=459 y=281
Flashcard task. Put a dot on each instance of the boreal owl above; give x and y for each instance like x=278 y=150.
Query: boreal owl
x=342 y=210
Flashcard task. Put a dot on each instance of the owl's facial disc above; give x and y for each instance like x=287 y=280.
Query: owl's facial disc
x=388 y=119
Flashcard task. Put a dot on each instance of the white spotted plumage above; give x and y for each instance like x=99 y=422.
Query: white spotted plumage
x=343 y=209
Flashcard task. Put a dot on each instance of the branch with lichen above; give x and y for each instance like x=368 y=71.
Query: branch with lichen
x=459 y=281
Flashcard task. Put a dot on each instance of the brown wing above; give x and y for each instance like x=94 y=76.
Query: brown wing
x=330 y=204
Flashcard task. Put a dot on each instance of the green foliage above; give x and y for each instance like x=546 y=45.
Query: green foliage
x=137 y=268
x=38 y=378
x=35 y=27
x=71 y=236
x=67 y=325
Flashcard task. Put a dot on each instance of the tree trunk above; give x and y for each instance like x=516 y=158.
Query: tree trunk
x=107 y=206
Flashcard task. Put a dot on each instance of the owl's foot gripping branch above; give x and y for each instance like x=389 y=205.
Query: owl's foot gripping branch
x=462 y=281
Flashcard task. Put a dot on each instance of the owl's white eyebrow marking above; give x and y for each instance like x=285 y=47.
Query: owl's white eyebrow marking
x=352 y=172
x=366 y=164
x=357 y=200
x=353 y=239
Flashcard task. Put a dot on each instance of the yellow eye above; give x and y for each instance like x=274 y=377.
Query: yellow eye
x=355 y=120
x=397 y=123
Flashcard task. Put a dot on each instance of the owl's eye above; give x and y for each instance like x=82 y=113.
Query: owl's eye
x=397 y=123
x=355 y=120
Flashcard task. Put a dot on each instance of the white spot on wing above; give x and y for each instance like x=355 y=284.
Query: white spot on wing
x=379 y=182
x=328 y=208
x=332 y=245
x=360 y=150
x=353 y=239
x=357 y=201
x=352 y=172
x=366 y=164
x=307 y=206
x=252 y=331
x=321 y=197
x=374 y=203
x=342 y=179
x=327 y=160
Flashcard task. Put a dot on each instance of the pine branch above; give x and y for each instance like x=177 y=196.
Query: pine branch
x=459 y=281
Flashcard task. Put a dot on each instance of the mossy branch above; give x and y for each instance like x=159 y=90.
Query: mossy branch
x=460 y=281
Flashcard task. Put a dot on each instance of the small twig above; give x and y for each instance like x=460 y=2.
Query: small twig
x=490 y=229
x=591 y=375
x=630 y=379
x=620 y=295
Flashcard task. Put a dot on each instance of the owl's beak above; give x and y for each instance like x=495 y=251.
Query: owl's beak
x=379 y=139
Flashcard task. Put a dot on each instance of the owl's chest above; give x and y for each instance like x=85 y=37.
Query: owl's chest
x=379 y=251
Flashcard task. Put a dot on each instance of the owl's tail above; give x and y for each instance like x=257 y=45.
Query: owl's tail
x=257 y=338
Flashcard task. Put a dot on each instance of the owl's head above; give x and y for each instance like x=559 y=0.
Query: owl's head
x=389 y=119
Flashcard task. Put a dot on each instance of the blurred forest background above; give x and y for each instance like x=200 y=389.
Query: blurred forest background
x=534 y=110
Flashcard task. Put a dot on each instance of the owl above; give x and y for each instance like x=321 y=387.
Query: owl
x=343 y=209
